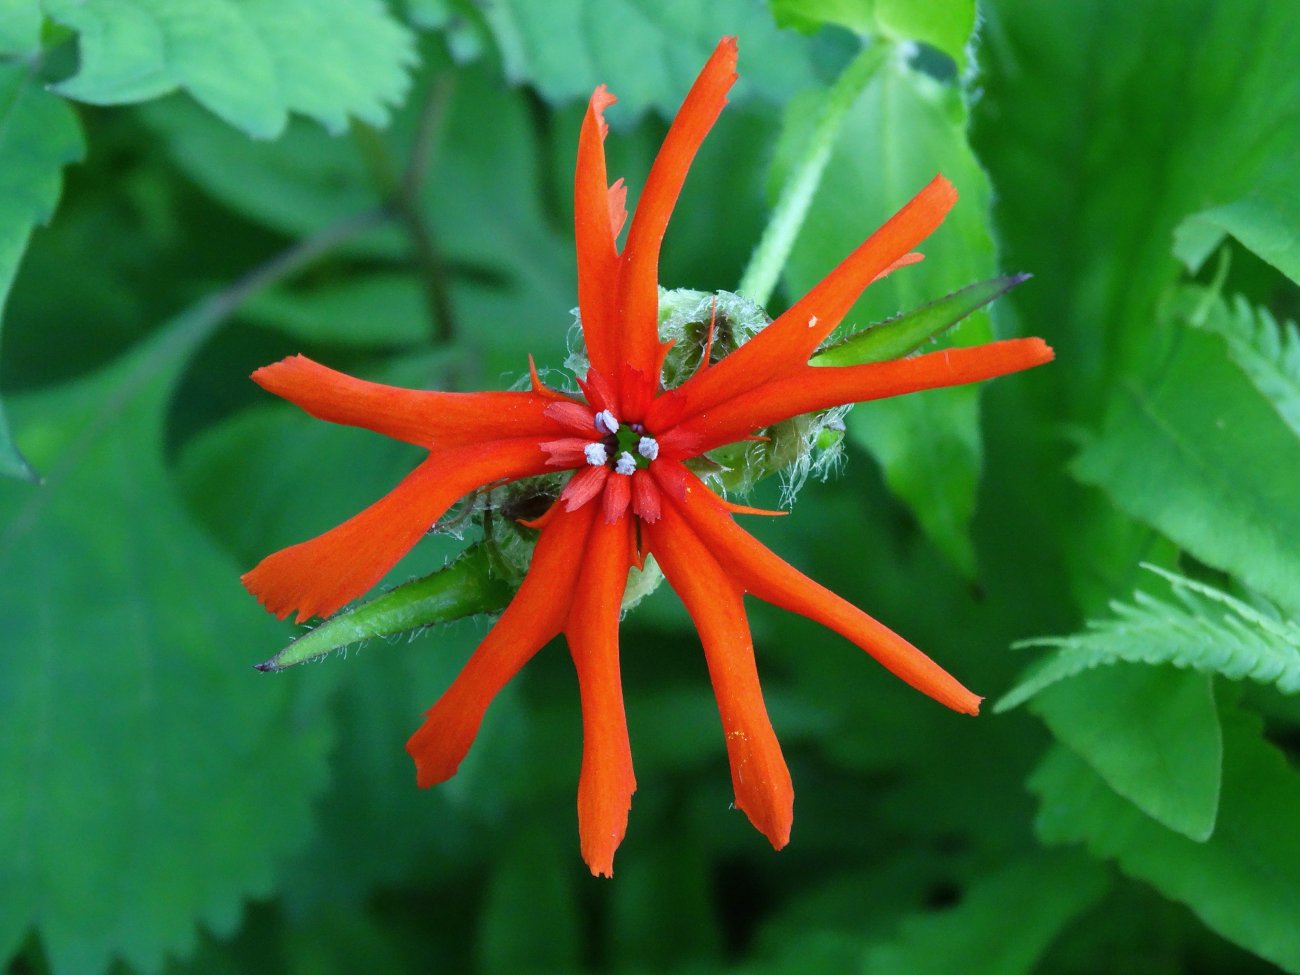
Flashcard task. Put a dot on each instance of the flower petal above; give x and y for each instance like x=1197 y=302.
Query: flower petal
x=764 y=574
x=638 y=289
x=534 y=616
x=606 y=782
x=318 y=576
x=812 y=388
x=595 y=205
x=759 y=774
x=424 y=417
x=787 y=343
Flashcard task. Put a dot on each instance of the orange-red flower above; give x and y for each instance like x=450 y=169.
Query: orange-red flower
x=631 y=494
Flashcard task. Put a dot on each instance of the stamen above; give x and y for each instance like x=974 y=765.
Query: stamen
x=606 y=422
x=626 y=464
x=648 y=447
x=595 y=453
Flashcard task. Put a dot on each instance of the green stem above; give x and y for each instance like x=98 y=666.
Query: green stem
x=768 y=260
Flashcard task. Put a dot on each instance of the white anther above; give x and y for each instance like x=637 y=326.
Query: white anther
x=606 y=422
x=812 y=322
x=626 y=464
x=596 y=455
x=648 y=447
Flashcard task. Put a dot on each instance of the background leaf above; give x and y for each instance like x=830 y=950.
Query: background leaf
x=928 y=444
x=327 y=60
x=1265 y=220
x=1199 y=454
x=1152 y=733
x=125 y=628
x=39 y=135
x=1242 y=882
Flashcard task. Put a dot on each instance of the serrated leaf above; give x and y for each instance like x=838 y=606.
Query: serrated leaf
x=160 y=777
x=928 y=445
x=1244 y=882
x=1196 y=452
x=39 y=135
x=250 y=63
x=1152 y=733
x=1268 y=351
x=1049 y=891
x=567 y=47
x=1265 y=221
x=1208 y=630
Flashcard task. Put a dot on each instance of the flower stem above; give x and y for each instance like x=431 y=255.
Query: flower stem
x=768 y=260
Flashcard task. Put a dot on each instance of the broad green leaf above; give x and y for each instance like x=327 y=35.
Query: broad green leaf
x=1265 y=221
x=1196 y=452
x=1244 y=882
x=1152 y=733
x=905 y=128
x=945 y=24
x=386 y=309
x=1206 y=630
x=1104 y=123
x=20 y=27
x=646 y=51
x=1268 y=351
x=251 y=63
x=39 y=135
x=161 y=778
x=1048 y=891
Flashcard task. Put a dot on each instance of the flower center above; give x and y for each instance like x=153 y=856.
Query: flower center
x=626 y=446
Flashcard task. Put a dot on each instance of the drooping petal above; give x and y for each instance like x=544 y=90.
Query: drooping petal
x=764 y=574
x=812 y=388
x=316 y=577
x=638 y=290
x=606 y=782
x=534 y=616
x=787 y=343
x=583 y=486
x=758 y=771
x=424 y=417
x=595 y=204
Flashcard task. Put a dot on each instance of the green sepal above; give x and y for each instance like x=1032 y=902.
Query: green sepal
x=899 y=336
x=466 y=587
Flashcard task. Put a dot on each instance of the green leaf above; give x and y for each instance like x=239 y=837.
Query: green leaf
x=20 y=27
x=39 y=135
x=1265 y=221
x=945 y=24
x=1048 y=891
x=907 y=332
x=1244 y=882
x=566 y=47
x=1104 y=124
x=464 y=588
x=1208 y=630
x=161 y=777
x=1152 y=733
x=252 y=64
x=1196 y=452
x=928 y=444
x=1268 y=351
x=382 y=309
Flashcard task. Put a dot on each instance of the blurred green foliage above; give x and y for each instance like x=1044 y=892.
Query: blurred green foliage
x=190 y=190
